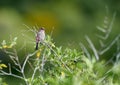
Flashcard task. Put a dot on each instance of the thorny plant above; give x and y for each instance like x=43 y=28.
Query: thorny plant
x=37 y=63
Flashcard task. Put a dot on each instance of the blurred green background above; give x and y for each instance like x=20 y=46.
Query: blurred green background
x=68 y=20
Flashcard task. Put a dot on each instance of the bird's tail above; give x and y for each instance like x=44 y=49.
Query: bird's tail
x=36 y=48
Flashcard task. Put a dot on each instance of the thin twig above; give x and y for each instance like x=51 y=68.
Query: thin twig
x=23 y=67
x=34 y=72
x=11 y=74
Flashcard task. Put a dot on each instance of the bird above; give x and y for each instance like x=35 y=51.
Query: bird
x=40 y=37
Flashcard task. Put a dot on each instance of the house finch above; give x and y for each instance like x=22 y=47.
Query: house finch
x=40 y=37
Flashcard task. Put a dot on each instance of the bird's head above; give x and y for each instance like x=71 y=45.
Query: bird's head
x=42 y=28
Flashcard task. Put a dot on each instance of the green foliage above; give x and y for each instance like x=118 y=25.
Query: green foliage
x=2 y=83
x=52 y=65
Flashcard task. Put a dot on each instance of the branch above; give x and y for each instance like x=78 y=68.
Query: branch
x=10 y=73
x=26 y=59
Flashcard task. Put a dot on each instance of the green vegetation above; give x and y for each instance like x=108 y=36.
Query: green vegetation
x=52 y=65
x=78 y=57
